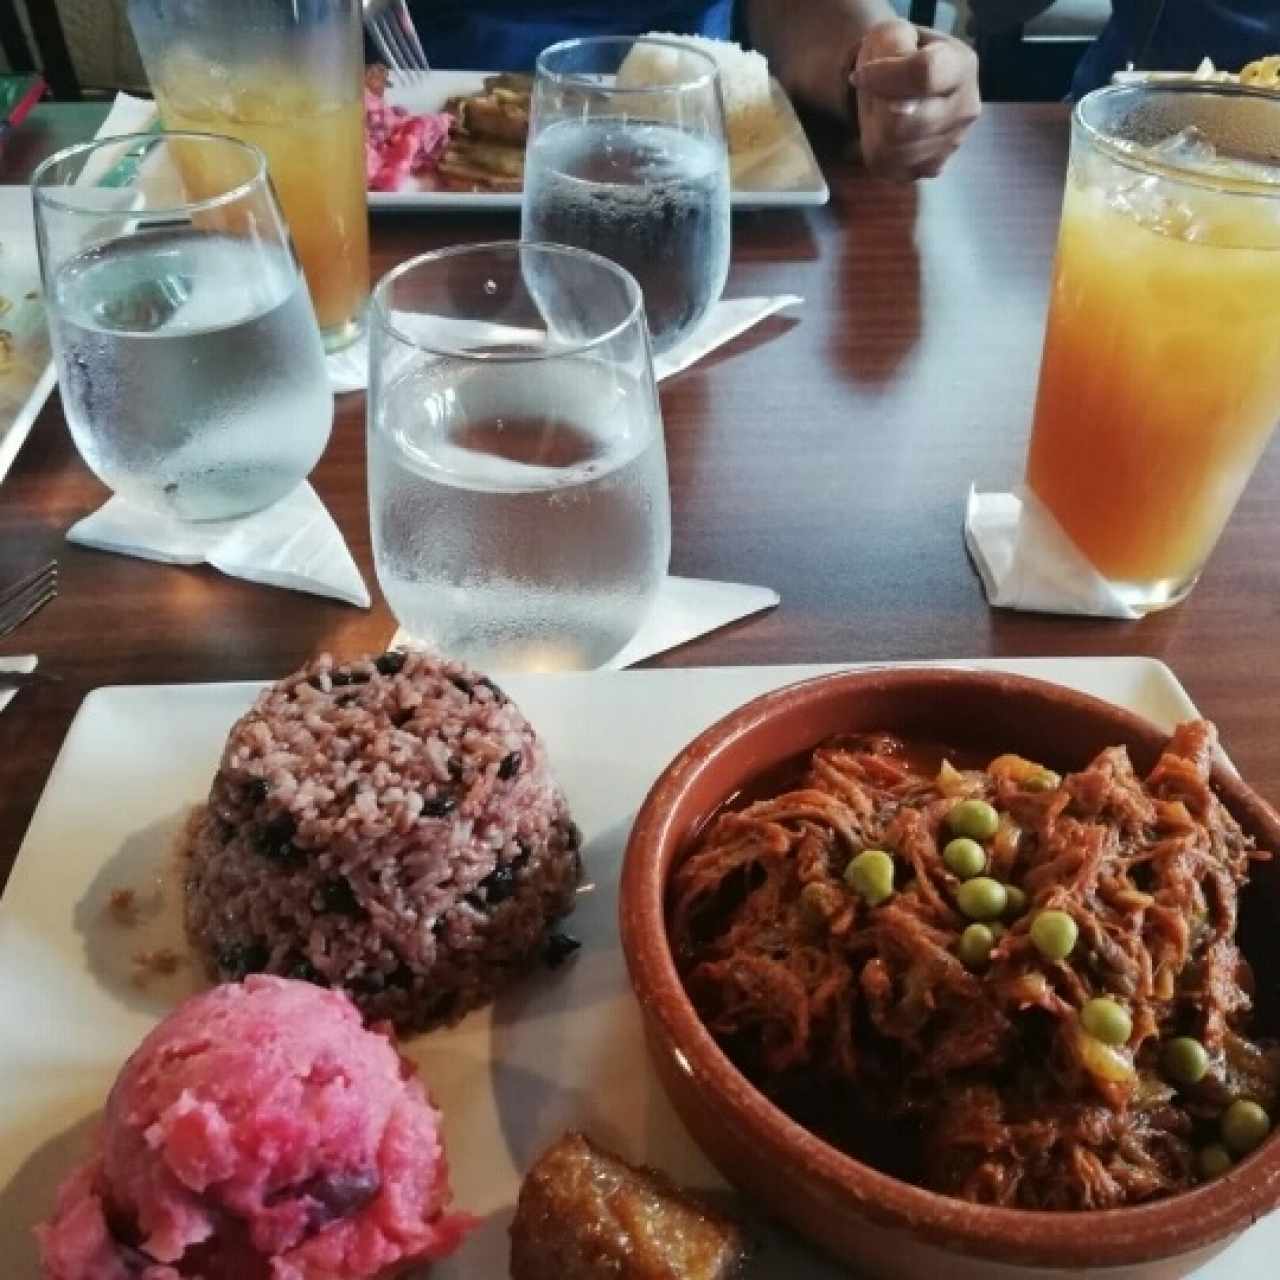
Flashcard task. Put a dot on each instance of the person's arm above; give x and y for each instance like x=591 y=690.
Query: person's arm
x=910 y=92
x=811 y=44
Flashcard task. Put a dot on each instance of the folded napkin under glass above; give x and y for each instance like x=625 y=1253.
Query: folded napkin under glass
x=1027 y=562
x=685 y=608
x=293 y=544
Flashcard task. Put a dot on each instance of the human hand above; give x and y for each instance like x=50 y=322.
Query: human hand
x=917 y=96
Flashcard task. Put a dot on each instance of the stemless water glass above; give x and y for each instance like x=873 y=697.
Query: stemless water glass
x=191 y=368
x=517 y=470
x=634 y=170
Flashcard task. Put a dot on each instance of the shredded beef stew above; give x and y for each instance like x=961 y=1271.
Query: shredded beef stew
x=1068 y=1028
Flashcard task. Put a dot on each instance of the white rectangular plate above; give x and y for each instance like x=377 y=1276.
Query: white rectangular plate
x=783 y=176
x=562 y=1049
x=26 y=371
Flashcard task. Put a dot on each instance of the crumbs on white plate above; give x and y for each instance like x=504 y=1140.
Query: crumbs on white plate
x=161 y=962
x=123 y=906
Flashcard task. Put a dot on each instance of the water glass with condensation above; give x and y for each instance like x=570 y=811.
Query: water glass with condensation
x=192 y=372
x=517 y=469
x=634 y=169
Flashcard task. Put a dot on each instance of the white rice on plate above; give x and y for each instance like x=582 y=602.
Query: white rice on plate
x=751 y=120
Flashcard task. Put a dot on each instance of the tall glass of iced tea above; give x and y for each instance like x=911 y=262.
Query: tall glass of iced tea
x=287 y=76
x=1160 y=381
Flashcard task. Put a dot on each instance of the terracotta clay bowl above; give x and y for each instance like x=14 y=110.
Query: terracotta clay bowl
x=878 y=1223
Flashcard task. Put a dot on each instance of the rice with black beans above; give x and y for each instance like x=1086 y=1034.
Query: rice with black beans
x=389 y=826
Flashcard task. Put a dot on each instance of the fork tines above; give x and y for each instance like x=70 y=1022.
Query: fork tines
x=397 y=38
x=410 y=33
x=27 y=597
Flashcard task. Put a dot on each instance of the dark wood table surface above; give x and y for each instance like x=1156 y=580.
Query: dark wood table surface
x=826 y=455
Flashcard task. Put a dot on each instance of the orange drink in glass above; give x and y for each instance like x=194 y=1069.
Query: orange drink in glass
x=289 y=79
x=1160 y=380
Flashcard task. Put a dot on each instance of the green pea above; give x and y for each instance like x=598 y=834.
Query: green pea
x=1054 y=934
x=974 y=947
x=965 y=857
x=1186 y=1060
x=982 y=898
x=1017 y=901
x=1213 y=1161
x=1107 y=1020
x=1244 y=1124
x=973 y=818
x=870 y=875
x=1044 y=780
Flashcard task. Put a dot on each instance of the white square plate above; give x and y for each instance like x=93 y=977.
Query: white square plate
x=563 y=1049
x=783 y=176
x=26 y=370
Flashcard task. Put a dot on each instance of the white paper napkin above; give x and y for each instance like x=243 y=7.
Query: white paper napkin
x=724 y=322
x=685 y=608
x=349 y=369
x=1027 y=562
x=294 y=544
x=23 y=665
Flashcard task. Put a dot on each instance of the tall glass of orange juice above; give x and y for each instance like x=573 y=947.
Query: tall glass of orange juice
x=288 y=76
x=1160 y=380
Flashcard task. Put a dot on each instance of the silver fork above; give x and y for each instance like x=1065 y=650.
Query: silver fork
x=391 y=26
x=27 y=597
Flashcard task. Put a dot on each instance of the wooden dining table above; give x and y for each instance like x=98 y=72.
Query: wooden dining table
x=826 y=453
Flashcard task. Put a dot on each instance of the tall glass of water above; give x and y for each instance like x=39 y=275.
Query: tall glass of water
x=191 y=367
x=627 y=157
x=517 y=470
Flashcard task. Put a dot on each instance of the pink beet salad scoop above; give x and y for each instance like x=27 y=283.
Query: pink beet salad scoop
x=259 y=1133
